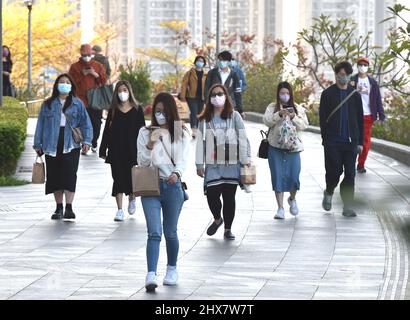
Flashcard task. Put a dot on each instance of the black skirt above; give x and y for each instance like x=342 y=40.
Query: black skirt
x=62 y=169
x=121 y=174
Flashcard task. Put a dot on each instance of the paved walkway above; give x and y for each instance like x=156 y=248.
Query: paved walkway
x=318 y=255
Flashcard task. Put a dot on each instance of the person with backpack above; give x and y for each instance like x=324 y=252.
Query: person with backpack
x=193 y=91
x=341 y=127
x=285 y=120
x=124 y=121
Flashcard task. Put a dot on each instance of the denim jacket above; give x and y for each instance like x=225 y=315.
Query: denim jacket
x=48 y=126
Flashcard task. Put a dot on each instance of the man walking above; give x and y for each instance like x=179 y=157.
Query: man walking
x=372 y=106
x=341 y=126
x=89 y=74
x=99 y=57
x=223 y=74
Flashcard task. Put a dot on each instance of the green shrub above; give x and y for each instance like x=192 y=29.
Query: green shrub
x=395 y=130
x=13 y=131
x=12 y=182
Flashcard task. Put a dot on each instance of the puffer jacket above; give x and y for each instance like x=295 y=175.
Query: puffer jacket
x=273 y=121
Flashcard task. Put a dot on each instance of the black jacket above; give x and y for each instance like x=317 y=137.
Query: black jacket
x=232 y=84
x=329 y=100
x=105 y=62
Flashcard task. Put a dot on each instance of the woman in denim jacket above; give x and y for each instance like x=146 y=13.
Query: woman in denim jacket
x=54 y=138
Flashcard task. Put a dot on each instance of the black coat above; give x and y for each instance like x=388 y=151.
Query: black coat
x=120 y=149
x=329 y=100
x=232 y=84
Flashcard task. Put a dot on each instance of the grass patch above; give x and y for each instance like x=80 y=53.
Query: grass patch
x=12 y=182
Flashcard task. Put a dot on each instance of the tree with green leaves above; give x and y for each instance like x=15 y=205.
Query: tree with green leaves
x=137 y=73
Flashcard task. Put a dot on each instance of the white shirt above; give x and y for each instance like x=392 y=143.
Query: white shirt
x=159 y=158
x=63 y=120
x=363 y=86
x=224 y=75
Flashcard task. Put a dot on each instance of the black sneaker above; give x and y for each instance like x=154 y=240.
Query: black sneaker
x=361 y=170
x=58 y=215
x=327 y=201
x=69 y=214
x=228 y=235
x=213 y=228
x=349 y=213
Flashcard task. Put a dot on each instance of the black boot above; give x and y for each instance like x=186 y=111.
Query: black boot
x=69 y=214
x=58 y=214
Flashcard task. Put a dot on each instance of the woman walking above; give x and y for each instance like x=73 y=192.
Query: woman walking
x=220 y=156
x=124 y=121
x=164 y=145
x=285 y=164
x=54 y=138
x=7 y=68
x=193 y=91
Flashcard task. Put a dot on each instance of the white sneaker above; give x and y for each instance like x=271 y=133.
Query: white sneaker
x=171 y=277
x=247 y=188
x=151 y=282
x=94 y=150
x=280 y=214
x=294 y=210
x=119 y=215
x=132 y=206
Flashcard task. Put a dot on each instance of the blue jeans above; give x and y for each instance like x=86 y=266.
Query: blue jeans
x=171 y=201
x=195 y=107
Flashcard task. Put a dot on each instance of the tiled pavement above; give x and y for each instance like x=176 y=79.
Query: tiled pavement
x=318 y=255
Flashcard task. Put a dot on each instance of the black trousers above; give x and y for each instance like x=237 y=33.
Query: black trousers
x=228 y=192
x=95 y=117
x=339 y=158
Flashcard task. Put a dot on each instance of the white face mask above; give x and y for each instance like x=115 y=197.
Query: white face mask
x=161 y=119
x=123 y=96
x=218 y=102
x=86 y=59
x=363 y=69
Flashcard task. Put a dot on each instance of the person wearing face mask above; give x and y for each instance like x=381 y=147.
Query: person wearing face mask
x=53 y=137
x=7 y=68
x=373 y=109
x=193 y=90
x=223 y=74
x=89 y=74
x=165 y=145
x=341 y=126
x=220 y=155
x=119 y=143
x=242 y=79
x=285 y=165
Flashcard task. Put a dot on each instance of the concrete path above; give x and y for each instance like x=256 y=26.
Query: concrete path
x=318 y=255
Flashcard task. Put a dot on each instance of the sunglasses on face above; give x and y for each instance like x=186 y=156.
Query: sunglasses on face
x=219 y=94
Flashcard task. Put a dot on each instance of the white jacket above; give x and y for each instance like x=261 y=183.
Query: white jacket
x=158 y=157
x=273 y=121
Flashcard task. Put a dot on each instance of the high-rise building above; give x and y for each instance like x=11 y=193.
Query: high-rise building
x=150 y=34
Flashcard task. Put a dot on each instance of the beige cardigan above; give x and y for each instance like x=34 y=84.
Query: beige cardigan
x=273 y=121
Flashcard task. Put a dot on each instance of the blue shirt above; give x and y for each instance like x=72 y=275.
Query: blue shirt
x=343 y=136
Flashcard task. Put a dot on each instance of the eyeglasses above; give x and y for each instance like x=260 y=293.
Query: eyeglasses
x=219 y=94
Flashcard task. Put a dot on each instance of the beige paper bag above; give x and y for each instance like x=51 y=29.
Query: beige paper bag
x=248 y=175
x=39 y=172
x=145 y=181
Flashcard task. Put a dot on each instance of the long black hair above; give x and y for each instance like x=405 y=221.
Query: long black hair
x=291 y=102
x=116 y=102
x=56 y=93
x=170 y=110
x=8 y=58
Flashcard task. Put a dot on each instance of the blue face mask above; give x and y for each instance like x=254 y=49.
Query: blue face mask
x=64 y=88
x=199 y=64
x=223 y=64
x=234 y=63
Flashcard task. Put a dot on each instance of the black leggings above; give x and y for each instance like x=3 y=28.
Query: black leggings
x=228 y=192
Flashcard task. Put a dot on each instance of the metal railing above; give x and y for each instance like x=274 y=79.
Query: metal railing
x=33 y=107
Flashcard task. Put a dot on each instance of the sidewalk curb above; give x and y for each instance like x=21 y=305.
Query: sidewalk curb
x=393 y=150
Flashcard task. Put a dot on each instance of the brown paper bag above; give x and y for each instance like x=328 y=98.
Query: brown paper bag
x=248 y=175
x=145 y=181
x=39 y=172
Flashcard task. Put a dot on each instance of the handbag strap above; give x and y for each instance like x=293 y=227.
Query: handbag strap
x=340 y=105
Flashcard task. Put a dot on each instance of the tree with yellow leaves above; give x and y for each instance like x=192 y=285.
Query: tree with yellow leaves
x=55 y=38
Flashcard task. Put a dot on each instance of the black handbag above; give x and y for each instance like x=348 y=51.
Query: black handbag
x=264 y=146
x=100 y=98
